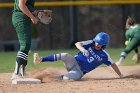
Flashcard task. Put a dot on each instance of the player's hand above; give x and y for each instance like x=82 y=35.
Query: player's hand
x=85 y=52
x=34 y=20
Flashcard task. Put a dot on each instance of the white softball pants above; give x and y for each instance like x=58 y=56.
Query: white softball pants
x=74 y=71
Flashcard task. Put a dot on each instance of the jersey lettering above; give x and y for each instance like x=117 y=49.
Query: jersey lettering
x=90 y=59
x=95 y=55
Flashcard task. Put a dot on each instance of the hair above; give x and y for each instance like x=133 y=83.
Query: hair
x=103 y=47
x=129 y=22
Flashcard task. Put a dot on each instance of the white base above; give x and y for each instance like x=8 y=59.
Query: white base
x=26 y=81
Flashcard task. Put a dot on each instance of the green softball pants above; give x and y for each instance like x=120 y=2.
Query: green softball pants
x=22 y=25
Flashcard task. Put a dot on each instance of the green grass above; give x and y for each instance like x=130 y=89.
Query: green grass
x=7 y=59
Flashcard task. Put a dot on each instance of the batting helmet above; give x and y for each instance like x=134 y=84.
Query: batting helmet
x=102 y=39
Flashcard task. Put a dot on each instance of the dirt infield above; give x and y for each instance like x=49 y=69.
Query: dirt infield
x=101 y=80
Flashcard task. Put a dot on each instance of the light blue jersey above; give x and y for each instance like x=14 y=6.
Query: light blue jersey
x=95 y=58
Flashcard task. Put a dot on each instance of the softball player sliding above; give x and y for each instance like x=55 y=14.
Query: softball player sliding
x=21 y=18
x=91 y=55
x=133 y=35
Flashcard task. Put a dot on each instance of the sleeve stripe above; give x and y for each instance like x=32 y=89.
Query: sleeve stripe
x=87 y=42
x=109 y=58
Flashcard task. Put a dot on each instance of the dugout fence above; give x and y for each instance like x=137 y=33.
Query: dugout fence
x=76 y=3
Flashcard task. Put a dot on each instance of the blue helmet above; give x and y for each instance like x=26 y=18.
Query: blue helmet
x=102 y=39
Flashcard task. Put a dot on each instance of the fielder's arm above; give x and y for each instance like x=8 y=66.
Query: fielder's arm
x=25 y=10
x=116 y=69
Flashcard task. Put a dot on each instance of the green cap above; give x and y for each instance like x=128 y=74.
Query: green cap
x=130 y=16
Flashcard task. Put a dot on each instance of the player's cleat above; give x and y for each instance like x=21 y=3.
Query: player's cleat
x=37 y=58
x=136 y=58
x=19 y=72
x=60 y=77
x=19 y=76
x=16 y=76
x=63 y=77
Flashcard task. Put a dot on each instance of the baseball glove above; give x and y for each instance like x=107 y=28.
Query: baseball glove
x=44 y=16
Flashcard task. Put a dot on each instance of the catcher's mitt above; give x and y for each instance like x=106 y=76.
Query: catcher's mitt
x=44 y=16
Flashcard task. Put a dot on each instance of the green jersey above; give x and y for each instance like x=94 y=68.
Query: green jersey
x=133 y=32
x=29 y=4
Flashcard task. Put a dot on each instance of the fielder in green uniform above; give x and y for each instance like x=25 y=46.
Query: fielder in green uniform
x=133 y=35
x=22 y=18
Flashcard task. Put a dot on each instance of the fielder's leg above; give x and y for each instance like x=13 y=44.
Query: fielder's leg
x=21 y=63
x=22 y=25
